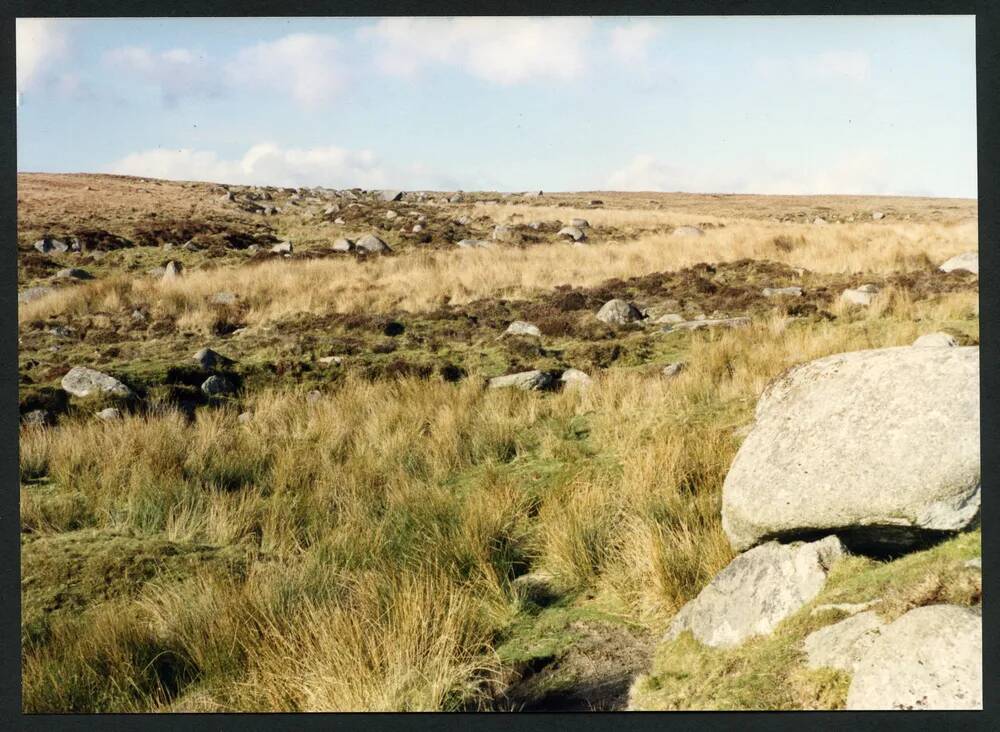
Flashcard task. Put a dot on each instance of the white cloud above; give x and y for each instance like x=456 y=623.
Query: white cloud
x=863 y=172
x=39 y=43
x=305 y=65
x=178 y=72
x=630 y=42
x=270 y=164
x=499 y=50
x=830 y=65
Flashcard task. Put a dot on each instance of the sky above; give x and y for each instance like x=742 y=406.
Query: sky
x=778 y=105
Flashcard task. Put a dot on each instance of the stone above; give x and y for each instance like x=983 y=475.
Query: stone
x=82 y=381
x=72 y=273
x=618 y=312
x=936 y=340
x=244 y=417
x=109 y=414
x=331 y=209
x=692 y=231
x=371 y=243
x=473 y=243
x=976 y=563
x=930 y=658
x=673 y=369
x=880 y=447
x=793 y=291
x=756 y=591
x=519 y=327
x=330 y=360
x=215 y=385
x=533 y=194
x=282 y=247
x=502 y=232
x=48 y=245
x=842 y=644
x=580 y=223
x=572 y=232
x=860 y=296
x=314 y=396
x=390 y=214
x=526 y=380
x=34 y=293
x=703 y=322
x=339 y=220
x=463 y=221
x=389 y=196
x=209 y=359
x=37 y=418
x=417 y=228
x=819 y=221
x=172 y=270
x=342 y=245
x=877 y=215
x=670 y=318
x=575 y=379
x=456 y=198
x=968 y=261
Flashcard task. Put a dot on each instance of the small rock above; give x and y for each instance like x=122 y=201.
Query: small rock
x=390 y=196
x=244 y=417
x=673 y=369
x=342 y=245
x=339 y=220
x=688 y=231
x=930 y=658
x=968 y=261
x=109 y=414
x=576 y=379
x=33 y=293
x=580 y=223
x=842 y=645
x=935 y=340
x=783 y=291
x=282 y=247
x=82 y=381
x=819 y=221
x=417 y=228
x=371 y=243
x=976 y=563
x=860 y=296
x=37 y=418
x=215 y=385
x=670 y=318
x=72 y=273
x=526 y=380
x=618 y=312
x=519 y=327
x=877 y=216
x=391 y=214
x=756 y=591
x=473 y=243
x=48 y=245
x=172 y=270
x=502 y=232
x=572 y=232
x=209 y=359
x=330 y=360
x=314 y=396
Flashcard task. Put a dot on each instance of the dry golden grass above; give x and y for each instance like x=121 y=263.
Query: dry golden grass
x=422 y=281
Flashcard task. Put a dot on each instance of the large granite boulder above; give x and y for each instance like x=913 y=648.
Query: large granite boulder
x=82 y=381
x=930 y=658
x=880 y=447
x=842 y=645
x=756 y=591
x=967 y=261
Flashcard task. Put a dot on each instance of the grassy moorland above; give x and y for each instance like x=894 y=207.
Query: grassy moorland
x=370 y=531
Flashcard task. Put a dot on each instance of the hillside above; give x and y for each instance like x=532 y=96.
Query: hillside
x=348 y=518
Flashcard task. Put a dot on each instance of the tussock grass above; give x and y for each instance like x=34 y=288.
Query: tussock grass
x=389 y=518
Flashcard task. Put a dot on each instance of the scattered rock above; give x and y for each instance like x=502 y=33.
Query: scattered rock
x=526 y=380
x=968 y=261
x=860 y=296
x=618 y=312
x=572 y=232
x=417 y=228
x=673 y=369
x=575 y=379
x=343 y=245
x=215 y=385
x=976 y=563
x=390 y=214
x=756 y=591
x=172 y=270
x=880 y=447
x=688 y=231
x=703 y=322
x=330 y=360
x=842 y=644
x=109 y=414
x=339 y=220
x=877 y=216
x=72 y=273
x=48 y=245
x=371 y=243
x=935 y=340
x=33 y=293
x=502 y=232
x=38 y=418
x=930 y=658
x=314 y=396
x=82 y=381
x=282 y=247
x=209 y=359
x=473 y=243
x=819 y=221
x=519 y=327
x=783 y=291
x=244 y=417
x=390 y=196
x=670 y=318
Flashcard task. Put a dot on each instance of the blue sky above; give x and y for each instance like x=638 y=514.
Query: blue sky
x=868 y=105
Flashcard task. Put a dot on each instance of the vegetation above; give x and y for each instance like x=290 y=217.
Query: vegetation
x=361 y=550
